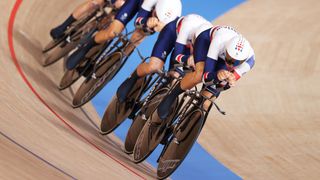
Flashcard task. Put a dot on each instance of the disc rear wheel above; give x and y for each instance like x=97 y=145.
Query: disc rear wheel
x=117 y=112
x=151 y=135
x=140 y=120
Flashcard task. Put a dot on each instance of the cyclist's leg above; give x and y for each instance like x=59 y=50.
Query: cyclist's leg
x=87 y=7
x=161 y=49
x=124 y=15
x=190 y=80
x=137 y=37
x=115 y=28
x=79 y=12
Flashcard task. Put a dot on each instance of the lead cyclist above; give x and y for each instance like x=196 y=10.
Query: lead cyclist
x=152 y=16
x=221 y=55
x=82 y=10
x=176 y=36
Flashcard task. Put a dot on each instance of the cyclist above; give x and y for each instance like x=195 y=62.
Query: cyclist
x=152 y=16
x=176 y=35
x=221 y=55
x=82 y=10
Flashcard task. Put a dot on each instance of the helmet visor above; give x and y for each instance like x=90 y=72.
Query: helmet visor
x=232 y=62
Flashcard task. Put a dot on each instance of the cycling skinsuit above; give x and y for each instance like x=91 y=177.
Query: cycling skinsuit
x=178 y=35
x=210 y=48
x=128 y=11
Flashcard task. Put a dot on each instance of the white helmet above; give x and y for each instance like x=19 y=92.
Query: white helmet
x=238 y=48
x=168 y=10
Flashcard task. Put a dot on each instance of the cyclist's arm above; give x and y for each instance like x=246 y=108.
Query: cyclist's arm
x=210 y=73
x=181 y=53
x=144 y=13
x=245 y=67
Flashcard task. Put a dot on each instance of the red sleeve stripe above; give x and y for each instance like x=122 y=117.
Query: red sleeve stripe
x=179 y=58
x=236 y=75
x=139 y=19
x=206 y=75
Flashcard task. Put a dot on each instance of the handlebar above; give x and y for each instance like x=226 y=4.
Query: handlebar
x=198 y=94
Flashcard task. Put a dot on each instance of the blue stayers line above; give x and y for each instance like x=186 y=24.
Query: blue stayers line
x=199 y=164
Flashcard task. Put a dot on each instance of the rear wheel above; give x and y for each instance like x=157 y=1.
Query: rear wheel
x=90 y=87
x=180 y=143
x=151 y=135
x=117 y=112
x=68 y=46
x=140 y=120
x=59 y=53
x=73 y=28
x=69 y=77
x=52 y=44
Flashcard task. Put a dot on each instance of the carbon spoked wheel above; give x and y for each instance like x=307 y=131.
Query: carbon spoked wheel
x=140 y=120
x=180 y=144
x=59 y=53
x=69 y=77
x=90 y=87
x=117 y=112
x=150 y=136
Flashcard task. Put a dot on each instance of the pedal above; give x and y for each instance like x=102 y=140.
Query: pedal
x=143 y=116
x=93 y=76
x=68 y=39
x=175 y=140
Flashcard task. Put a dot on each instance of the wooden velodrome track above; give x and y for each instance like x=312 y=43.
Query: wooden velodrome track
x=272 y=130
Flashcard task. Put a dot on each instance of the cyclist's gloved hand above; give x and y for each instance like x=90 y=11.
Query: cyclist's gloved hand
x=190 y=62
x=152 y=22
x=232 y=80
x=148 y=31
x=223 y=75
x=209 y=79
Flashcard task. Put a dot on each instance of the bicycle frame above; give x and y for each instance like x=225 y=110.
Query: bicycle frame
x=196 y=101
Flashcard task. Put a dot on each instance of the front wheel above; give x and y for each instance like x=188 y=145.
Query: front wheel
x=184 y=136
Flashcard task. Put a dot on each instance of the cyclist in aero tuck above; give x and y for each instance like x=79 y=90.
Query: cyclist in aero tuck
x=177 y=35
x=81 y=11
x=152 y=16
x=221 y=55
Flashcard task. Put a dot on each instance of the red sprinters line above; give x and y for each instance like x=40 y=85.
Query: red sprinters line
x=25 y=79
